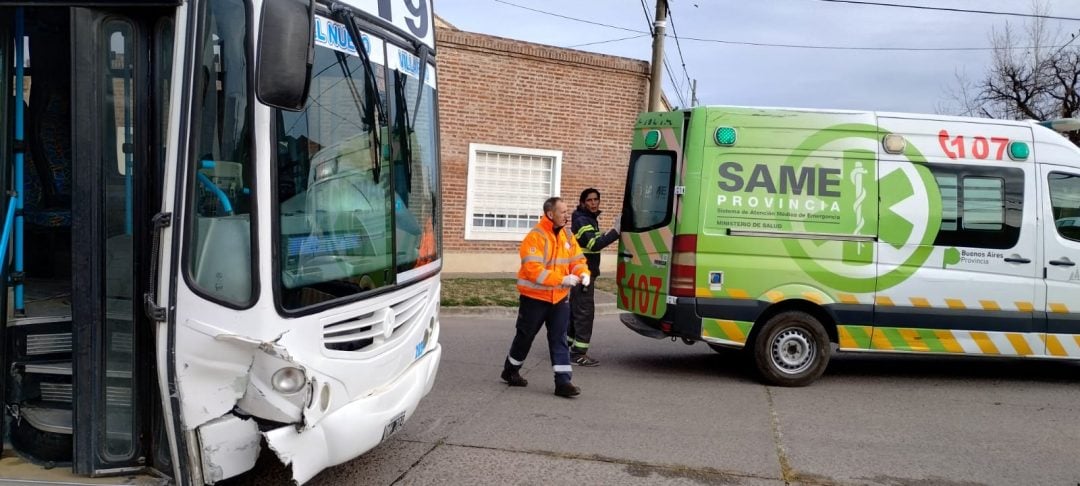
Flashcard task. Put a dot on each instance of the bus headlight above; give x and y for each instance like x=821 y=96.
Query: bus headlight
x=288 y=380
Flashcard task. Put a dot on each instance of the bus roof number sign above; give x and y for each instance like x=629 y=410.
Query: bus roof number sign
x=414 y=17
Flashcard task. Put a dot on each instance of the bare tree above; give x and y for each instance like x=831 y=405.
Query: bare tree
x=1034 y=73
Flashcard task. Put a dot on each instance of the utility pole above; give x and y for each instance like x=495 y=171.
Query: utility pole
x=693 y=93
x=656 y=76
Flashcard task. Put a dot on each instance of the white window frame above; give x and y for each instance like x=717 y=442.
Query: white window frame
x=478 y=233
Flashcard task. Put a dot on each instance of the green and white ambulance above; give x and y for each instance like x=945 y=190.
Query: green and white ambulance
x=786 y=231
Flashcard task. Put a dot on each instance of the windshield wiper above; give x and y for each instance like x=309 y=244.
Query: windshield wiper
x=425 y=52
x=405 y=127
x=373 y=111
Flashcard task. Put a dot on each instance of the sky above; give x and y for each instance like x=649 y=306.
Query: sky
x=746 y=75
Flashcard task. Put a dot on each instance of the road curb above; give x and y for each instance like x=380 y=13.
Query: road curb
x=497 y=311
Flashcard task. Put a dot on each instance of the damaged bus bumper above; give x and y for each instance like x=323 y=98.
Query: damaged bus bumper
x=356 y=427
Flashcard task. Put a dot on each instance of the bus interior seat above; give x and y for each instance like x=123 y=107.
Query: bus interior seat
x=49 y=175
x=49 y=156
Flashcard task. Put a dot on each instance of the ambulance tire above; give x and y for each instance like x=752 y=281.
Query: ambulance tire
x=792 y=349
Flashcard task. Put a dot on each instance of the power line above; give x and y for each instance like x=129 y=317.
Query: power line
x=608 y=41
x=948 y=9
x=766 y=44
x=1074 y=36
x=647 y=18
x=678 y=45
x=553 y=14
x=845 y=48
x=678 y=91
x=667 y=67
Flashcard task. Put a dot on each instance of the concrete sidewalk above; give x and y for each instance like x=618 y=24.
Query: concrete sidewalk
x=605 y=301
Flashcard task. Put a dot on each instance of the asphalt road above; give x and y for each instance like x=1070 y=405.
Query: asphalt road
x=657 y=412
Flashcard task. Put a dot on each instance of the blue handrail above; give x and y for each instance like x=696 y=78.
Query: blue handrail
x=9 y=221
x=129 y=163
x=225 y=204
x=20 y=138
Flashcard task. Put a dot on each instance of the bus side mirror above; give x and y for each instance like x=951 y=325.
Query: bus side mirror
x=286 y=50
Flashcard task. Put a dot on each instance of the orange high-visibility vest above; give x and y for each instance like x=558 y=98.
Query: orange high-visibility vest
x=545 y=259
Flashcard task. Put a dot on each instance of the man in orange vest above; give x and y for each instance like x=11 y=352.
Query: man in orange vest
x=551 y=264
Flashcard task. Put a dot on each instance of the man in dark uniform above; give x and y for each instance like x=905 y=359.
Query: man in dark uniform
x=586 y=230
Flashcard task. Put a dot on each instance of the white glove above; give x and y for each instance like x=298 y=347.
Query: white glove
x=570 y=281
x=585 y=280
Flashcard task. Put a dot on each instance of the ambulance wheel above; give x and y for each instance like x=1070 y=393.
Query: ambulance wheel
x=792 y=349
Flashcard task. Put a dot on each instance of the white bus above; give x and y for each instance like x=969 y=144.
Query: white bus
x=222 y=233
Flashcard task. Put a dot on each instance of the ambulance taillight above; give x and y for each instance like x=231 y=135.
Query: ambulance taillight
x=683 y=266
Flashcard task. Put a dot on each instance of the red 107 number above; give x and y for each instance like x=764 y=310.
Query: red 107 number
x=980 y=147
x=644 y=292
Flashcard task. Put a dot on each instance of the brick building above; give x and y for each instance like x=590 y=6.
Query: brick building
x=520 y=122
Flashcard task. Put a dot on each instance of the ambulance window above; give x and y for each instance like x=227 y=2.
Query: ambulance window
x=1065 y=200
x=984 y=203
x=950 y=201
x=981 y=207
x=648 y=191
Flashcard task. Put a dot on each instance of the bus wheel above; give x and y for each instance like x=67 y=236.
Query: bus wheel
x=792 y=349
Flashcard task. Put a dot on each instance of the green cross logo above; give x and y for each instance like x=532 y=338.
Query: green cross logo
x=901 y=191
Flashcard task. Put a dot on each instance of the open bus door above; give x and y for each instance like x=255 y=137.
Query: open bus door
x=79 y=358
x=117 y=186
x=7 y=132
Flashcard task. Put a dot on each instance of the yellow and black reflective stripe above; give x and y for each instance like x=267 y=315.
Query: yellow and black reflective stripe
x=584 y=229
x=588 y=248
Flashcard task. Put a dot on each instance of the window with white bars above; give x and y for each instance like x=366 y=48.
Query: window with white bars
x=507 y=187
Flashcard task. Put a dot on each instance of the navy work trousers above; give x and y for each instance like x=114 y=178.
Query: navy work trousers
x=532 y=314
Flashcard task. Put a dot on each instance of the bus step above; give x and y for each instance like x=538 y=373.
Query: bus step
x=30 y=321
x=116 y=371
x=48 y=368
x=55 y=392
x=43 y=433
x=48 y=343
x=52 y=420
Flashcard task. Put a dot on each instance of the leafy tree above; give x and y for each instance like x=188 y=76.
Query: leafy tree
x=1034 y=74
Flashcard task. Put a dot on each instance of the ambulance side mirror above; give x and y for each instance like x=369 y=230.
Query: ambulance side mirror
x=285 y=54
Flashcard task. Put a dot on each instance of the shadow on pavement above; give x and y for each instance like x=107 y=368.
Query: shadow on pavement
x=966 y=368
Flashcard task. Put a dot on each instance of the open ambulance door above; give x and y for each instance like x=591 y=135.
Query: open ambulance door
x=647 y=274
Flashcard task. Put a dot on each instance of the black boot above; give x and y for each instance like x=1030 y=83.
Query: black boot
x=567 y=390
x=582 y=359
x=513 y=378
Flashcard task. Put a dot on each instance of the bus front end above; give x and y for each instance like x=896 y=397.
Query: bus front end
x=306 y=316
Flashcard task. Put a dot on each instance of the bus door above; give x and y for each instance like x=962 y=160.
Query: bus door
x=649 y=212
x=121 y=63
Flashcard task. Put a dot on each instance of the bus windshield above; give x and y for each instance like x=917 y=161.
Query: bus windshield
x=357 y=183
